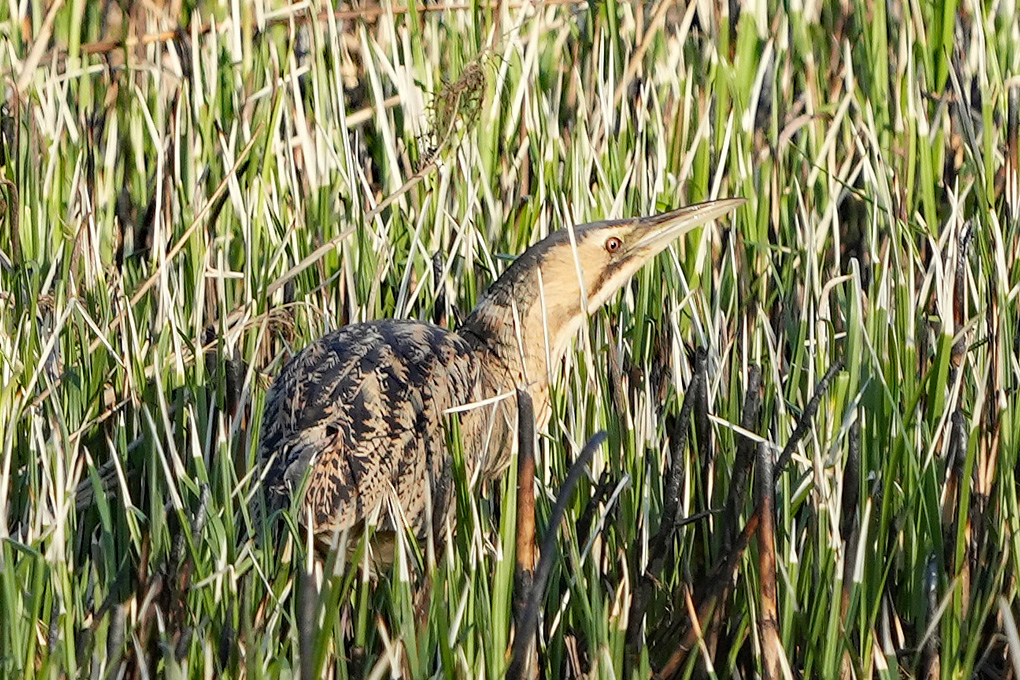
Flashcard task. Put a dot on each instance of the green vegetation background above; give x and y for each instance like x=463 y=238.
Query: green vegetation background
x=190 y=193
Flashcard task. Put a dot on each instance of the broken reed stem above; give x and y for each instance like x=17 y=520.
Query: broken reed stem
x=737 y=493
x=529 y=620
x=439 y=308
x=615 y=371
x=705 y=461
x=1012 y=165
x=602 y=490
x=659 y=544
x=959 y=349
x=671 y=494
x=804 y=422
x=848 y=523
x=765 y=502
x=719 y=588
x=308 y=605
x=851 y=479
x=930 y=664
x=959 y=509
x=524 y=574
x=721 y=580
x=849 y=529
x=744 y=457
x=702 y=425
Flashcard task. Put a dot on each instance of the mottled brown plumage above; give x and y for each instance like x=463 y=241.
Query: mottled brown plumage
x=361 y=412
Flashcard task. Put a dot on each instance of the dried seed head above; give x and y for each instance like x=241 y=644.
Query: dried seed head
x=456 y=106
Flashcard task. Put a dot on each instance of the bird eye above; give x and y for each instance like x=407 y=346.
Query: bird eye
x=613 y=244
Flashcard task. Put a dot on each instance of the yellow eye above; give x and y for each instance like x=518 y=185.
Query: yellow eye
x=613 y=244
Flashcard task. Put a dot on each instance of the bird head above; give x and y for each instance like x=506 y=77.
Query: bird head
x=582 y=267
x=557 y=282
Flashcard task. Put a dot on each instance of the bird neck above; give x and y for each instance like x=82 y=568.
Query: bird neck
x=520 y=342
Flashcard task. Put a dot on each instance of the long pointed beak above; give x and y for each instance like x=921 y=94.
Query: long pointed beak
x=661 y=230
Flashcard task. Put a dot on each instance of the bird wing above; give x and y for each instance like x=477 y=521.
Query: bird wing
x=360 y=412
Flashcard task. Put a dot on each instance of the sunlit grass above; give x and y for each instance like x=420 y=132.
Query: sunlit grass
x=181 y=213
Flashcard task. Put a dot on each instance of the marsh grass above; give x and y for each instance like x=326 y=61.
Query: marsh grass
x=188 y=197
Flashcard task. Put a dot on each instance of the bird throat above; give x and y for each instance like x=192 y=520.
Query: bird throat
x=520 y=345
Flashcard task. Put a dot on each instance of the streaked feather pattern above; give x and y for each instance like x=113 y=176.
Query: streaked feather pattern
x=361 y=412
x=362 y=408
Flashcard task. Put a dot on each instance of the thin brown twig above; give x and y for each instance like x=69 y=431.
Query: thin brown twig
x=308 y=261
x=367 y=13
x=1012 y=165
x=411 y=182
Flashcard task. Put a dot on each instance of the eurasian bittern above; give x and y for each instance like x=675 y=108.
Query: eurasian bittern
x=361 y=411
